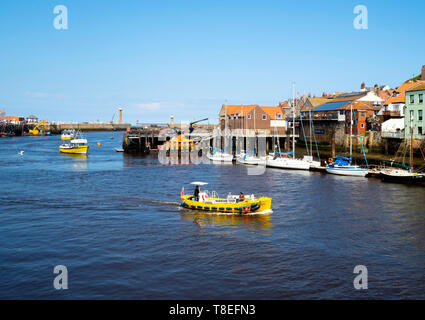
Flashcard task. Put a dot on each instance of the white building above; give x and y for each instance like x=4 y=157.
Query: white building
x=393 y=128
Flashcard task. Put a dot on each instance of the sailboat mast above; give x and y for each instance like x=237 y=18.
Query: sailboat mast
x=351 y=131
x=411 y=143
x=311 y=140
x=293 y=120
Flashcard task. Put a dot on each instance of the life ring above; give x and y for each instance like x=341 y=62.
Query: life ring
x=330 y=160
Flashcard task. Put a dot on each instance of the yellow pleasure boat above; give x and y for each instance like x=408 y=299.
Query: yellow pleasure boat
x=212 y=203
x=75 y=146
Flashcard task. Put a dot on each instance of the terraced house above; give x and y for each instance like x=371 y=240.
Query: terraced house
x=415 y=108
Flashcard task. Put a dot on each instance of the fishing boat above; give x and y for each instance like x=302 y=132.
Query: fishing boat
x=213 y=204
x=68 y=134
x=343 y=166
x=75 y=146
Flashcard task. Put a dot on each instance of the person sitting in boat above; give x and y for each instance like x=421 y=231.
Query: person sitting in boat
x=196 y=194
x=229 y=197
x=241 y=197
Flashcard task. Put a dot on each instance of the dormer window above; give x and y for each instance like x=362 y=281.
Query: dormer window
x=264 y=117
x=249 y=116
x=278 y=116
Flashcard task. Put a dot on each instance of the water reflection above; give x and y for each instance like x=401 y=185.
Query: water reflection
x=250 y=222
x=78 y=161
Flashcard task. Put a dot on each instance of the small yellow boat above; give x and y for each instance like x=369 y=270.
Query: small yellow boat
x=76 y=146
x=231 y=205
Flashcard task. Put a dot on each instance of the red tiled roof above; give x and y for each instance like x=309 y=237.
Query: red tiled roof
x=245 y=109
x=401 y=97
x=10 y=118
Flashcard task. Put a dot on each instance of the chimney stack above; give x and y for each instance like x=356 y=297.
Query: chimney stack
x=423 y=73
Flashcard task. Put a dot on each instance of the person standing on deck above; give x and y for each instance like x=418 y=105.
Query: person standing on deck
x=196 y=194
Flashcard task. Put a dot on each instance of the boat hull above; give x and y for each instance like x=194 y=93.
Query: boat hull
x=74 y=150
x=347 y=171
x=249 y=160
x=405 y=179
x=286 y=163
x=220 y=157
x=257 y=206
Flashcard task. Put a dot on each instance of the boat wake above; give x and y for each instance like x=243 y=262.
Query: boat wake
x=169 y=203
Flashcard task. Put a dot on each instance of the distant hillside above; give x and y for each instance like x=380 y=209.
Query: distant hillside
x=417 y=78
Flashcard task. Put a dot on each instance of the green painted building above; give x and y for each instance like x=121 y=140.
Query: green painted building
x=414 y=115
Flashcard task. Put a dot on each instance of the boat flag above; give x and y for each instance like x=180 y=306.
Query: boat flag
x=182 y=192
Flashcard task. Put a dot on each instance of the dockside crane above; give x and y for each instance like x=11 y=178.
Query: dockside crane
x=35 y=131
x=191 y=126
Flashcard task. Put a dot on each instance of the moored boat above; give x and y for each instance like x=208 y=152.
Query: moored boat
x=403 y=176
x=244 y=158
x=219 y=156
x=68 y=134
x=75 y=146
x=291 y=163
x=343 y=167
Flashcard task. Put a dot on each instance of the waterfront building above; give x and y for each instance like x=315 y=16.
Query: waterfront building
x=32 y=119
x=253 y=117
x=2 y=113
x=395 y=105
x=339 y=110
x=393 y=128
x=415 y=109
x=12 y=119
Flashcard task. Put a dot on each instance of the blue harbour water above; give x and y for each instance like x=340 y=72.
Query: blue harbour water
x=103 y=218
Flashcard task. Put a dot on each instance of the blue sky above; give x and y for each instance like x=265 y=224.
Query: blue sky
x=186 y=58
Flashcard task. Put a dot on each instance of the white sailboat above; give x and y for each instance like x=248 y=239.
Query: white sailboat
x=217 y=154
x=283 y=160
x=251 y=159
x=342 y=165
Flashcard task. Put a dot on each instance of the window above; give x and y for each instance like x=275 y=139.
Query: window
x=278 y=116
x=419 y=130
x=264 y=117
x=341 y=112
x=412 y=99
x=249 y=116
x=362 y=113
x=420 y=115
x=421 y=98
